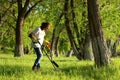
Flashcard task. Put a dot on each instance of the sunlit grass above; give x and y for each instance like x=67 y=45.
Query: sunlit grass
x=70 y=69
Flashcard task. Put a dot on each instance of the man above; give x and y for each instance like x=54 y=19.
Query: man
x=37 y=37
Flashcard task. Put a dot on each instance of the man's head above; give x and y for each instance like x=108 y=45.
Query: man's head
x=45 y=26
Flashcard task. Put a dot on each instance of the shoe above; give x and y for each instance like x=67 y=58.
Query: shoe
x=34 y=68
x=38 y=66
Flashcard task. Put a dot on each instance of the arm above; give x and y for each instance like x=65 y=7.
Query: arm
x=32 y=36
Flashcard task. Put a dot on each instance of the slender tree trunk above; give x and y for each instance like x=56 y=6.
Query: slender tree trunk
x=53 y=43
x=69 y=32
x=84 y=44
x=100 y=50
x=57 y=42
x=114 y=52
x=74 y=22
x=54 y=40
x=70 y=53
x=56 y=47
x=109 y=45
x=80 y=42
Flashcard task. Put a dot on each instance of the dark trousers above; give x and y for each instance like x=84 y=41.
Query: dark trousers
x=39 y=56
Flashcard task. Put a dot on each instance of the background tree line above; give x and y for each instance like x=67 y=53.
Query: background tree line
x=72 y=30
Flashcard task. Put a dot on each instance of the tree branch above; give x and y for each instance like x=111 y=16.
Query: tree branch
x=6 y=11
x=25 y=6
x=27 y=13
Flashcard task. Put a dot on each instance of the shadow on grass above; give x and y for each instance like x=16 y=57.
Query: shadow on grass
x=89 y=71
x=66 y=60
x=13 y=70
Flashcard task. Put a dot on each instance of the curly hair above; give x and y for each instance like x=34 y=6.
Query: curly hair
x=44 y=25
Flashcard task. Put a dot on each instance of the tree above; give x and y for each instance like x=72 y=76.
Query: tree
x=69 y=31
x=55 y=37
x=77 y=35
x=24 y=8
x=83 y=42
x=110 y=22
x=100 y=50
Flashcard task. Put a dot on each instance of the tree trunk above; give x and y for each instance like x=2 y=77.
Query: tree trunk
x=109 y=45
x=53 y=43
x=69 y=32
x=74 y=22
x=70 y=52
x=88 y=54
x=100 y=50
x=84 y=44
x=56 y=47
x=114 y=52
x=19 y=38
x=54 y=37
x=23 y=12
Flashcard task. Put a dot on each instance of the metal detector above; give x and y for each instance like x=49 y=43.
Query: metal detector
x=55 y=65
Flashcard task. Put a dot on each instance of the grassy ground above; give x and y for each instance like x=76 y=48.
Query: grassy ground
x=70 y=69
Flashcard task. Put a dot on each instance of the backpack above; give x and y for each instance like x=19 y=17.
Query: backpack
x=30 y=35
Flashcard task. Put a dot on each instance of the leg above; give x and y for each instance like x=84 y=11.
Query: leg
x=37 y=61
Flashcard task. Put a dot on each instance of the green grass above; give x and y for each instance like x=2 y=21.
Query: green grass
x=12 y=68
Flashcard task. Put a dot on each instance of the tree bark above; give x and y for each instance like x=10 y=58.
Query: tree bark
x=19 y=39
x=23 y=12
x=88 y=53
x=114 y=51
x=53 y=43
x=69 y=32
x=100 y=50
x=74 y=22
x=56 y=46
x=18 y=31
x=84 y=44
x=86 y=41
x=70 y=53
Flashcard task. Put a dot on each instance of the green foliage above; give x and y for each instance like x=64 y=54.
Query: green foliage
x=64 y=42
x=110 y=13
x=70 y=68
x=118 y=49
x=50 y=11
x=7 y=25
x=7 y=37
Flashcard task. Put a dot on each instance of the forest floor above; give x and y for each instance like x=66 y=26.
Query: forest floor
x=19 y=68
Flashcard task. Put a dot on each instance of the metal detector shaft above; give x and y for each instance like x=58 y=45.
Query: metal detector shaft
x=53 y=62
